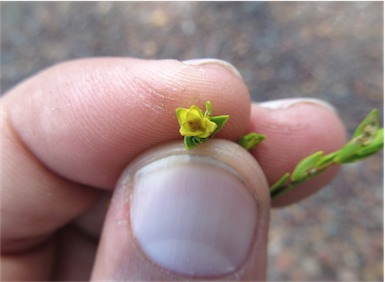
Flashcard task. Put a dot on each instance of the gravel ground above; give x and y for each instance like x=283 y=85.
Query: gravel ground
x=328 y=50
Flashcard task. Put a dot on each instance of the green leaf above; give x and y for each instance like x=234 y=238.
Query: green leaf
x=375 y=145
x=249 y=141
x=348 y=152
x=371 y=120
x=220 y=121
x=192 y=141
x=304 y=167
x=367 y=140
x=369 y=136
x=209 y=109
x=326 y=159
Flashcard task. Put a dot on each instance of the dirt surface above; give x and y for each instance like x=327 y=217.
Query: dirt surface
x=328 y=50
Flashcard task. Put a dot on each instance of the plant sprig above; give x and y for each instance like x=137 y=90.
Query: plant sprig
x=249 y=141
x=367 y=140
x=198 y=127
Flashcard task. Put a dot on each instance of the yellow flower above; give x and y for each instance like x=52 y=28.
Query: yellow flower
x=193 y=122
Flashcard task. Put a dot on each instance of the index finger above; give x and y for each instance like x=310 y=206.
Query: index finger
x=85 y=120
x=76 y=126
x=80 y=123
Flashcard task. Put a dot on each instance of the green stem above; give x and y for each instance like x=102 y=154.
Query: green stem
x=290 y=185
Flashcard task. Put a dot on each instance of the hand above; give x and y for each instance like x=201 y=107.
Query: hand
x=70 y=131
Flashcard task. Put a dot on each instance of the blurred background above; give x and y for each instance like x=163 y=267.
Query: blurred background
x=327 y=50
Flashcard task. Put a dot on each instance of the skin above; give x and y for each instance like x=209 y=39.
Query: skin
x=69 y=132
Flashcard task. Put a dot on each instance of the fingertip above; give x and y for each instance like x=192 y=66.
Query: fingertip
x=87 y=119
x=295 y=129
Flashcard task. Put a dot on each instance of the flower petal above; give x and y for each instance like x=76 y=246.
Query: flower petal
x=194 y=113
x=181 y=115
x=209 y=128
x=186 y=132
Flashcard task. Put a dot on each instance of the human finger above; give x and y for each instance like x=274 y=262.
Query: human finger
x=294 y=129
x=76 y=126
x=85 y=119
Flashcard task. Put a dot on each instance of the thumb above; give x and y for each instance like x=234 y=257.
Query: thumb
x=178 y=215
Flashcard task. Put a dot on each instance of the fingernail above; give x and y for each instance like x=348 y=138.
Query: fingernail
x=193 y=215
x=287 y=103
x=211 y=61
